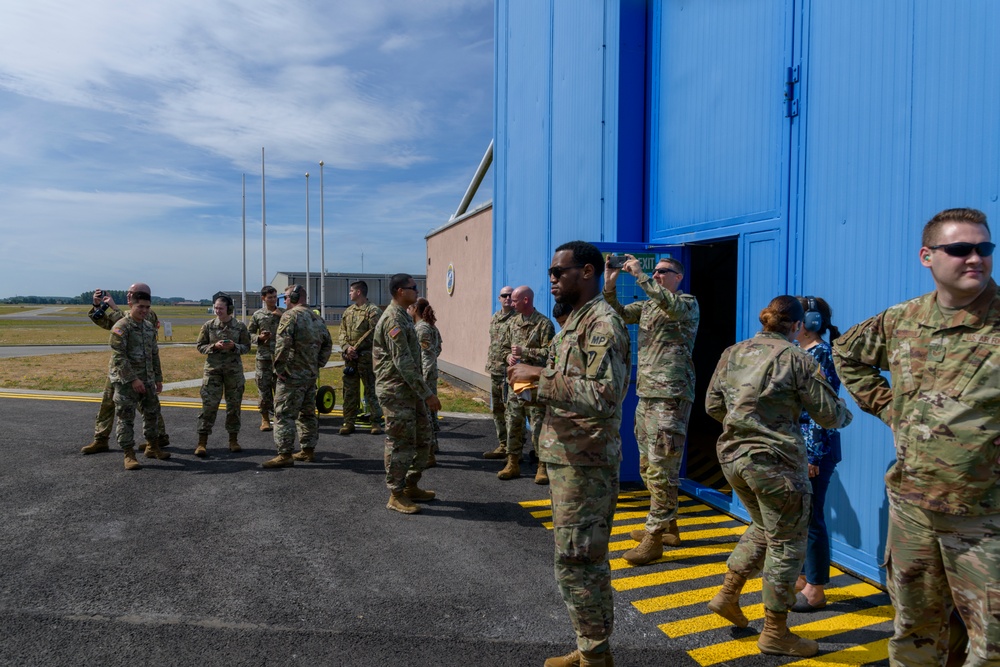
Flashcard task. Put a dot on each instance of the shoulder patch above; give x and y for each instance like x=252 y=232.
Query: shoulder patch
x=393 y=332
x=599 y=340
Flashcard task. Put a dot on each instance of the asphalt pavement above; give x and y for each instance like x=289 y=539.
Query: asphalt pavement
x=220 y=562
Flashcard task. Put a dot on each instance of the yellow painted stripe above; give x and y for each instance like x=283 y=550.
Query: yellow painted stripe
x=687 y=535
x=708 y=622
x=676 y=554
x=669 y=576
x=854 y=655
x=690 y=521
x=746 y=646
x=164 y=401
x=685 y=598
x=541 y=514
x=535 y=503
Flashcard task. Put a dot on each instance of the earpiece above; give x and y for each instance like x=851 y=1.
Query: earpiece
x=927 y=258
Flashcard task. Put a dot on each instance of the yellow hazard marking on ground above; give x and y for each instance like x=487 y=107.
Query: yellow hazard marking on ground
x=686 y=535
x=685 y=598
x=164 y=402
x=746 y=646
x=755 y=612
x=669 y=576
x=670 y=555
x=862 y=654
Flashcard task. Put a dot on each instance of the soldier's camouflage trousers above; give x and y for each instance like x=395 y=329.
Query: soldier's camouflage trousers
x=660 y=427
x=295 y=409
x=213 y=386
x=408 y=441
x=936 y=562
x=106 y=415
x=516 y=413
x=583 y=508
x=126 y=399
x=266 y=379
x=352 y=390
x=778 y=498
x=498 y=397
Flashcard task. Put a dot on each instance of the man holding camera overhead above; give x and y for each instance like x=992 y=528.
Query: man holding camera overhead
x=356 y=327
x=104 y=314
x=223 y=340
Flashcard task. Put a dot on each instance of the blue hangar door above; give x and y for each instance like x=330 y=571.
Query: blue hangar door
x=721 y=118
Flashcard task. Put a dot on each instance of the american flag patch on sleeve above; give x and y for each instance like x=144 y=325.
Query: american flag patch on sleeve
x=393 y=332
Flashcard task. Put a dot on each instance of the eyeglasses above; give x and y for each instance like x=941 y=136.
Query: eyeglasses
x=507 y=296
x=558 y=271
x=660 y=272
x=983 y=249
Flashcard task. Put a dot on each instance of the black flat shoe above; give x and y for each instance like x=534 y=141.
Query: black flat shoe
x=803 y=607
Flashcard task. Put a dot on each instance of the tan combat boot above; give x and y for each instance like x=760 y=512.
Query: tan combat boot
x=541 y=475
x=282 y=460
x=306 y=454
x=377 y=429
x=672 y=536
x=581 y=659
x=153 y=451
x=512 y=470
x=100 y=444
x=637 y=535
x=416 y=494
x=649 y=549
x=499 y=453
x=234 y=445
x=347 y=428
x=776 y=639
x=400 y=503
x=131 y=463
x=726 y=602
x=265 y=421
x=202 y=448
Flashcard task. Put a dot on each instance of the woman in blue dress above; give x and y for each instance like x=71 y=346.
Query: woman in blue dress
x=823 y=451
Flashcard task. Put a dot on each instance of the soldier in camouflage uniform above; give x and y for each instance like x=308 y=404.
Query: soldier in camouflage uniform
x=356 y=325
x=530 y=334
x=135 y=374
x=429 y=338
x=582 y=385
x=303 y=347
x=496 y=366
x=406 y=399
x=758 y=391
x=263 y=327
x=105 y=317
x=668 y=323
x=223 y=340
x=942 y=402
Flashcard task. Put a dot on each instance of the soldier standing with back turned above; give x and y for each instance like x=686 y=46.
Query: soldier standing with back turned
x=263 y=327
x=668 y=323
x=942 y=351
x=356 y=326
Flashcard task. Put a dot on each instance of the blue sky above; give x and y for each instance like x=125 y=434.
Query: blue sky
x=125 y=129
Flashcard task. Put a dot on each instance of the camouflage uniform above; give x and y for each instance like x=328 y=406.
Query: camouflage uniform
x=223 y=372
x=534 y=334
x=758 y=391
x=134 y=355
x=496 y=366
x=303 y=347
x=583 y=384
x=943 y=406
x=668 y=323
x=430 y=349
x=261 y=321
x=402 y=392
x=355 y=323
x=106 y=413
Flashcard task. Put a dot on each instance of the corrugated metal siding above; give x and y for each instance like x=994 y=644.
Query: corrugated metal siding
x=720 y=137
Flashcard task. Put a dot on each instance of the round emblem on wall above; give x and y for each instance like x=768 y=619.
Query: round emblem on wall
x=450 y=279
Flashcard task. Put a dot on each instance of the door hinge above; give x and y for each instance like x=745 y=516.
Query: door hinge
x=791 y=92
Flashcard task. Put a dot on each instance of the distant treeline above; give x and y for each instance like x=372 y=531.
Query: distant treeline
x=87 y=298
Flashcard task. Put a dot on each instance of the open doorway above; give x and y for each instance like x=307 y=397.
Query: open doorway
x=712 y=273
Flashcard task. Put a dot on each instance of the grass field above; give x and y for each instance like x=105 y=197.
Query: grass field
x=88 y=371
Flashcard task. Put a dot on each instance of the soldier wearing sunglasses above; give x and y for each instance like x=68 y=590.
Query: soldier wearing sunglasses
x=942 y=400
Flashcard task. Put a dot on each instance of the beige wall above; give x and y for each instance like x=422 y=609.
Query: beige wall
x=463 y=316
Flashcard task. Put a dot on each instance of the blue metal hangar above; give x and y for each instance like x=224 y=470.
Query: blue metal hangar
x=773 y=146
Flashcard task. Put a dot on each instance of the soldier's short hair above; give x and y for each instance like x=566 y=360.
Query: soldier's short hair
x=971 y=216
x=361 y=285
x=674 y=264
x=584 y=253
x=141 y=296
x=397 y=281
x=268 y=289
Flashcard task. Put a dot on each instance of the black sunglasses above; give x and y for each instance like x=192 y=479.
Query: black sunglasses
x=663 y=271
x=983 y=249
x=506 y=296
x=558 y=271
